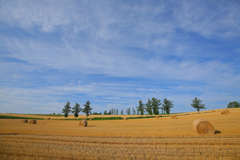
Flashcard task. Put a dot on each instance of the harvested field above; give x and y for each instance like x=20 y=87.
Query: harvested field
x=160 y=138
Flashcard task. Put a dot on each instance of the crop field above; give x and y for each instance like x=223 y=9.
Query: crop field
x=152 y=138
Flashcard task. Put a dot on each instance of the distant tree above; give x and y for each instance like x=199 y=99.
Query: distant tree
x=105 y=112
x=233 y=104
x=149 y=107
x=121 y=112
x=167 y=105
x=87 y=108
x=116 y=111
x=76 y=109
x=140 y=107
x=66 y=109
x=155 y=105
x=128 y=111
x=133 y=111
x=197 y=103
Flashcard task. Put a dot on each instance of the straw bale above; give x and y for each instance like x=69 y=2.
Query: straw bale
x=157 y=116
x=203 y=127
x=224 y=112
x=174 y=117
x=25 y=121
x=125 y=118
x=33 y=121
x=213 y=111
x=227 y=111
x=83 y=123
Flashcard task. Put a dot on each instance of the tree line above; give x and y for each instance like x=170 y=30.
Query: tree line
x=151 y=107
x=77 y=109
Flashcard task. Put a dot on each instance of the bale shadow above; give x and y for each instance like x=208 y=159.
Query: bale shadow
x=217 y=132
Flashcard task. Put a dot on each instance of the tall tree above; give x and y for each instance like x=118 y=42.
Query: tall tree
x=140 y=107
x=66 y=109
x=149 y=107
x=87 y=108
x=105 y=112
x=122 y=112
x=197 y=103
x=128 y=111
x=133 y=111
x=167 y=105
x=233 y=104
x=155 y=105
x=76 y=109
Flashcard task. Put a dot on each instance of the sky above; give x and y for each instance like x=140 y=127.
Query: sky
x=115 y=53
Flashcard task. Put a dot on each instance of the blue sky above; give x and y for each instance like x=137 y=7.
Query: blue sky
x=114 y=53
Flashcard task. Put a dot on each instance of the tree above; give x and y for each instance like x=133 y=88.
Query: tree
x=66 y=109
x=197 y=103
x=121 y=112
x=76 y=109
x=167 y=105
x=133 y=111
x=140 y=107
x=128 y=111
x=105 y=112
x=149 y=107
x=233 y=104
x=155 y=105
x=87 y=108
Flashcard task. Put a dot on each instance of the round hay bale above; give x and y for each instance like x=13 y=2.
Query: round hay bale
x=213 y=111
x=33 y=121
x=125 y=118
x=90 y=119
x=49 y=118
x=83 y=123
x=157 y=117
x=25 y=121
x=174 y=117
x=224 y=113
x=203 y=127
x=227 y=111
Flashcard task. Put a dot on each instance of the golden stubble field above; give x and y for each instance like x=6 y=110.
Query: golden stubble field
x=162 y=138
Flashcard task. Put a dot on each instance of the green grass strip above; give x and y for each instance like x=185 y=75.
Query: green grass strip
x=15 y=117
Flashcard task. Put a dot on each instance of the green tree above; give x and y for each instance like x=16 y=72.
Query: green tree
x=140 y=107
x=233 y=104
x=66 y=109
x=167 y=105
x=133 y=111
x=87 y=108
x=121 y=112
x=128 y=111
x=155 y=105
x=149 y=107
x=105 y=112
x=76 y=109
x=197 y=103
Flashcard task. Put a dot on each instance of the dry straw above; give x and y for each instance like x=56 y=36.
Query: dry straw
x=213 y=111
x=203 y=127
x=125 y=118
x=24 y=121
x=83 y=123
x=33 y=121
x=157 y=116
x=174 y=117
